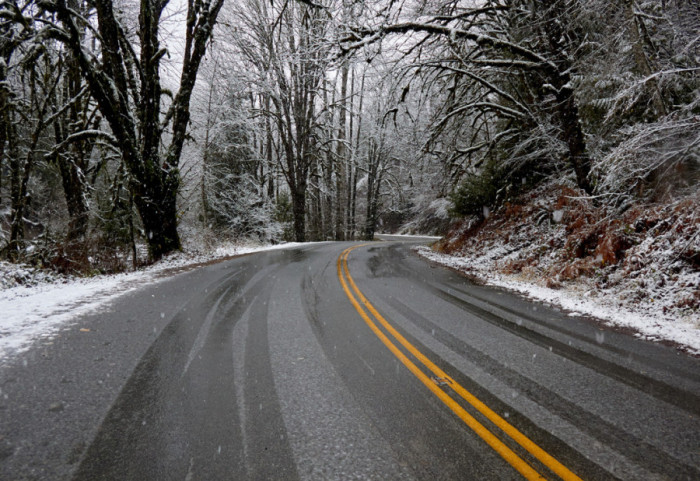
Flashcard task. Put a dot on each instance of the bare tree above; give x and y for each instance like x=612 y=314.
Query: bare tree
x=29 y=96
x=492 y=37
x=124 y=78
x=76 y=130
x=288 y=49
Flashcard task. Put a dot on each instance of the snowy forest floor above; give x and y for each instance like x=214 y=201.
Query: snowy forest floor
x=36 y=303
x=638 y=271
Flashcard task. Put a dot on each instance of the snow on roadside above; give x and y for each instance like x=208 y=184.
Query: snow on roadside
x=681 y=330
x=46 y=303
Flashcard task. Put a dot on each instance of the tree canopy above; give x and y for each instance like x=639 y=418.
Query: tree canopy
x=132 y=127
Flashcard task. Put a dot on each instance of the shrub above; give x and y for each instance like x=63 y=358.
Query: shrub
x=477 y=191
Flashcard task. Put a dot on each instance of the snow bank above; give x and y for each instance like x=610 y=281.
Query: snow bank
x=579 y=299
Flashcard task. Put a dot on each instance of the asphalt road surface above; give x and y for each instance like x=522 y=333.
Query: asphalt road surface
x=342 y=361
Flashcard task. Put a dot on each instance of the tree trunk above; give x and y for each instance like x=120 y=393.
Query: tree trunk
x=371 y=215
x=75 y=200
x=17 y=201
x=371 y=221
x=132 y=233
x=327 y=166
x=353 y=204
x=327 y=205
x=315 y=224
x=299 y=212
x=341 y=164
x=268 y=151
x=4 y=120
x=158 y=212
x=356 y=150
x=555 y=17
x=21 y=172
x=573 y=135
x=73 y=164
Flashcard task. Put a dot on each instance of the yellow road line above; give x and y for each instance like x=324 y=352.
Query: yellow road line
x=529 y=473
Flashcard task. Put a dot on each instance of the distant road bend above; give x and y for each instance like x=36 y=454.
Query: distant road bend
x=340 y=361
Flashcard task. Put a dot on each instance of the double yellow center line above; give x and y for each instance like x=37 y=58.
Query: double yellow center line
x=360 y=302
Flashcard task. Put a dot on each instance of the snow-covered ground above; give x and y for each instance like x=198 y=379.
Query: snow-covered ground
x=579 y=299
x=38 y=304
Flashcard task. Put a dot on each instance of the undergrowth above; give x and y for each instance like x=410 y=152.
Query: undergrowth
x=555 y=235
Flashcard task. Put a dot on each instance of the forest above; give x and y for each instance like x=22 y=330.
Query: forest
x=131 y=129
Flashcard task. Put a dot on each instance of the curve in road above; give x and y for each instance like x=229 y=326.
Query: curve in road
x=347 y=361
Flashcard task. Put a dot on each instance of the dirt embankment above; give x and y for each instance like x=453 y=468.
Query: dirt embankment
x=646 y=258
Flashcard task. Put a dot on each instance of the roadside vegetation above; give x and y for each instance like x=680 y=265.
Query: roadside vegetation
x=644 y=260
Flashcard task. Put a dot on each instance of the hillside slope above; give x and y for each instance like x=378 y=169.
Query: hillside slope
x=637 y=269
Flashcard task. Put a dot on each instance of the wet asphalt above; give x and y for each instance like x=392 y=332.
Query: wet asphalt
x=260 y=368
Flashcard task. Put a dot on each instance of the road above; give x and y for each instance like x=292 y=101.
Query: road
x=340 y=361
